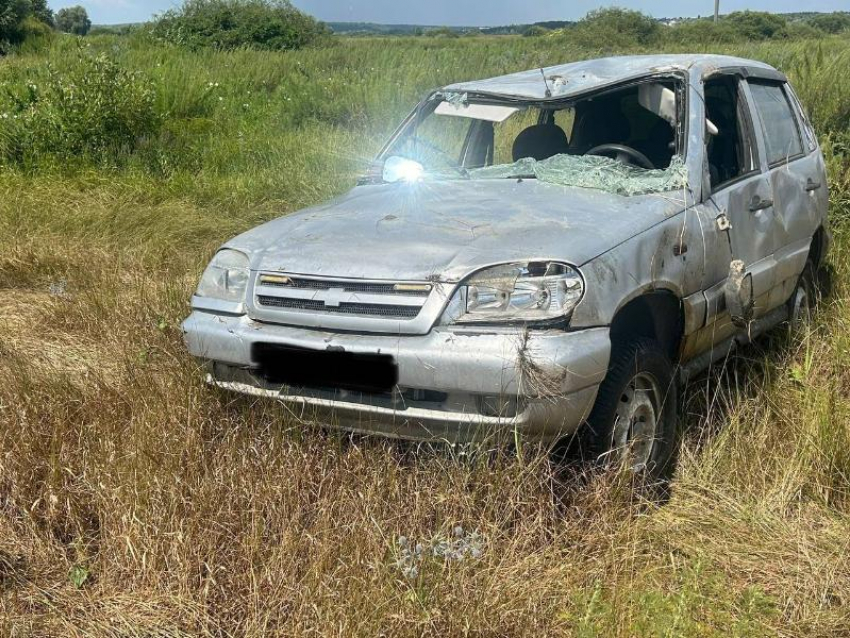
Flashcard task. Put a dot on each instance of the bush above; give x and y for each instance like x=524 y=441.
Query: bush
x=615 y=27
x=120 y=30
x=32 y=27
x=535 y=31
x=703 y=31
x=799 y=31
x=756 y=25
x=234 y=24
x=739 y=27
x=73 y=20
x=831 y=22
x=442 y=32
x=96 y=110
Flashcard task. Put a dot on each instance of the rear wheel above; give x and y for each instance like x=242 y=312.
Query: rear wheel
x=634 y=421
x=803 y=300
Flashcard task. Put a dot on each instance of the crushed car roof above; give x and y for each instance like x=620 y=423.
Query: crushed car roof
x=577 y=77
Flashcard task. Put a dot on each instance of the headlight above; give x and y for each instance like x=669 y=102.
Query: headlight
x=531 y=291
x=226 y=278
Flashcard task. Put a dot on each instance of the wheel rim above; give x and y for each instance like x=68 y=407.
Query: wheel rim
x=636 y=421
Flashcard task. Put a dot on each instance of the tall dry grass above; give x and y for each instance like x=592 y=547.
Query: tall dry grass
x=135 y=501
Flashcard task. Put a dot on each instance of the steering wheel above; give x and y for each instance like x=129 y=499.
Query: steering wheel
x=622 y=153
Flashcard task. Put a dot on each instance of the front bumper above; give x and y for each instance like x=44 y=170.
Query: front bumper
x=543 y=382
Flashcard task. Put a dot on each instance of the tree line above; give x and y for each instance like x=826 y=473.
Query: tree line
x=278 y=25
x=22 y=19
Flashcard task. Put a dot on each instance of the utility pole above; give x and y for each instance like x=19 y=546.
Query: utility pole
x=716 y=11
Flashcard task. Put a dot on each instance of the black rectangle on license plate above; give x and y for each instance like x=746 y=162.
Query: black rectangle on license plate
x=331 y=369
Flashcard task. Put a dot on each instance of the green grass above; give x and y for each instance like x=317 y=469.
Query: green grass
x=134 y=501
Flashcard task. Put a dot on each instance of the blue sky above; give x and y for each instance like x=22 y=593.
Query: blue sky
x=456 y=12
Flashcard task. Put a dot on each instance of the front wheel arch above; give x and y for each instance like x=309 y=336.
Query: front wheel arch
x=658 y=316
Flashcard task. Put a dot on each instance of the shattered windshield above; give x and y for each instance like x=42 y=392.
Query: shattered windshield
x=623 y=141
x=592 y=171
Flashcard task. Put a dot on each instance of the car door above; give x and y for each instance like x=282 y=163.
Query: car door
x=741 y=200
x=797 y=181
x=746 y=200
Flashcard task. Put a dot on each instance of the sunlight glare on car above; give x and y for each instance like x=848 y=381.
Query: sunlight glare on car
x=401 y=169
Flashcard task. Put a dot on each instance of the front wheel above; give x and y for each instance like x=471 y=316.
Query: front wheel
x=634 y=421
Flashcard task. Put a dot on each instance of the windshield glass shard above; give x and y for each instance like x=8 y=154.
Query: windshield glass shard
x=591 y=171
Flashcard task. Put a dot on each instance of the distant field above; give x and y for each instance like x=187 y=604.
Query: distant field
x=135 y=501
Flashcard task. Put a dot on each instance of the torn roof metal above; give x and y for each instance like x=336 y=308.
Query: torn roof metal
x=578 y=77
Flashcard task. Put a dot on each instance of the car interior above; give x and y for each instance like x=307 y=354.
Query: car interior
x=614 y=124
x=728 y=147
x=635 y=124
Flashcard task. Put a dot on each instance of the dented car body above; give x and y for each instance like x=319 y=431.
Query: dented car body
x=514 y=238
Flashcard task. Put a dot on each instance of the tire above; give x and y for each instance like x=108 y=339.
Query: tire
x=640 y=386
x=804 y=299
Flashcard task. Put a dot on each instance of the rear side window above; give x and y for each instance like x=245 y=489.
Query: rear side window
x=809 y=137
x=778 y=121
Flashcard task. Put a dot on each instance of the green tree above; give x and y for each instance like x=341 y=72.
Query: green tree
x=73 y=20
x=12 y=15
x=41 y=11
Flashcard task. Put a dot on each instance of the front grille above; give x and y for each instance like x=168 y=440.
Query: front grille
x=304 y=295
x=364 y=309
x=301 y=283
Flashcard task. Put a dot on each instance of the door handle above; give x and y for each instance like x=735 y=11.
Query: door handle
x=812 y=185
x=757 y=203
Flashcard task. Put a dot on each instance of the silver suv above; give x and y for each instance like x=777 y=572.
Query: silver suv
x=535 y=255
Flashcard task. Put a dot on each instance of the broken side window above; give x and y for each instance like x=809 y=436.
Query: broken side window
x=730 y=143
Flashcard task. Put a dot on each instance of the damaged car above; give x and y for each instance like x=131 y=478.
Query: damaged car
x=534 y=256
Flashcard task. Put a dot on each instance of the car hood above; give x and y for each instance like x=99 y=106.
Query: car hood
x=444 y=230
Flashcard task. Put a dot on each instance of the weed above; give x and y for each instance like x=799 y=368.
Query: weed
x=194 y=512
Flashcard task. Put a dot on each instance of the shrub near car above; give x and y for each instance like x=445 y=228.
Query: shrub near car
x=536 y=255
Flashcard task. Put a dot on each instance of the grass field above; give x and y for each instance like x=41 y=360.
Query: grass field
x=135 y=501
